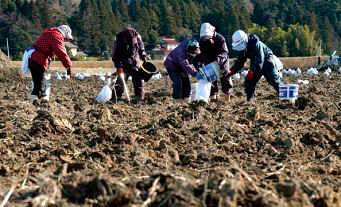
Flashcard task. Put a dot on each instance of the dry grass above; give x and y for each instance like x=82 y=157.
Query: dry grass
x=288 y=62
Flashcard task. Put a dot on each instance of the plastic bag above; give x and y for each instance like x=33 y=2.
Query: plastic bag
x=47 y=80
x=244 y=73
x=105 y=93
x=202 y=92
x=278 y=63
x=193 y=90
x=58 y=76
x=24 y=62
x=236 y=76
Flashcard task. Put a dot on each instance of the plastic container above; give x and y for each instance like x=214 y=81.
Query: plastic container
x=211 y=72
x=148 y=69
x=288 y=91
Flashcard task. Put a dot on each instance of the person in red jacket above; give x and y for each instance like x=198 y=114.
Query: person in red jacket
x=48 y=44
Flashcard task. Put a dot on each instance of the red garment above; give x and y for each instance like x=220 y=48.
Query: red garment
x=50 y=42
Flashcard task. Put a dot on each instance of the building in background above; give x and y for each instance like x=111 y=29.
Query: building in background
x=161 y=50
x=71 y=48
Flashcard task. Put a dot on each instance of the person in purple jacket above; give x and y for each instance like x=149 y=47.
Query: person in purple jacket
x=127 y=54
x=179 y=68
x=213 y=48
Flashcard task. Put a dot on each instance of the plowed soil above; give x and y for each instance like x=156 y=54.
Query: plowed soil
x=77 y=152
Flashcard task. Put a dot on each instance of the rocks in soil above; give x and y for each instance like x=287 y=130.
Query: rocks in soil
x=287 y=188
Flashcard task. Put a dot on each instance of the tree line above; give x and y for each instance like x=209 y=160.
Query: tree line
x=289 y=27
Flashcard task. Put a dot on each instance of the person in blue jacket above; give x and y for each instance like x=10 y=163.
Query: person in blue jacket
x=179 y=67
x=261 y=58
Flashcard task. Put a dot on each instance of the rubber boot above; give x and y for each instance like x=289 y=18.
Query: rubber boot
x=34 y=99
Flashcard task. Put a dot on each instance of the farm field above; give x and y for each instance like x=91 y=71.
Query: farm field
x=77 y=152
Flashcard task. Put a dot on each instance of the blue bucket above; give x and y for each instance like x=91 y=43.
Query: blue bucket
x=288 y=91
x=211 y=72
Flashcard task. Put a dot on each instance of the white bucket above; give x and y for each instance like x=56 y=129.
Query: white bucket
x=211 y=72
x=288 y=91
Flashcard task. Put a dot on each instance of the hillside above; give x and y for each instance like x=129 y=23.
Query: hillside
x=290 y=28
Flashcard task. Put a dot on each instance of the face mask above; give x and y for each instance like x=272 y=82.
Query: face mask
x=240 y=47
x=205 y=38
x=193 y=55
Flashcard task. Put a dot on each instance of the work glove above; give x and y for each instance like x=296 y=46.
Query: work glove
x=119 y=70
x=229 y=74
x=143 y=58
x=198 y=76
x=68 y=73
x=249 y=75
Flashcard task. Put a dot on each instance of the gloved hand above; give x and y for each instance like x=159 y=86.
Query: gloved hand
x=143 y=58
x=68 y=73
x=198 y=76
x=119 y=70
x=249 y=75
x=229 y=74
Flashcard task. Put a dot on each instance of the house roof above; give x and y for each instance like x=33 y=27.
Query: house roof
x=70 y=45
x=169 y=41
x=161 y=50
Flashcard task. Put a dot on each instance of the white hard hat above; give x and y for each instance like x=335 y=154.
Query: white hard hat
x=66 y=31
x=206 y=29
x=239 y=40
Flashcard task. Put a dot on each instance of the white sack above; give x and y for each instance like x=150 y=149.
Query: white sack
x=203 y=90
x=24 y=61
x=278 y=63
x=105 y=94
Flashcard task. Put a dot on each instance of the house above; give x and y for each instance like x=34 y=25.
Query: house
x=71 y=48
x=161 y=50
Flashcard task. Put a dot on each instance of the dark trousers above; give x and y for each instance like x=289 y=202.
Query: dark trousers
x=181 y=84
x=138 y=83
x=37 y=72
x=226 y=86
x=271 y=75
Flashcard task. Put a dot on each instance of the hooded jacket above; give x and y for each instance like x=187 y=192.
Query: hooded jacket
x=128 y=48
x=215 y=49
x=50 y=42
x=257 y=52
x=179 y=58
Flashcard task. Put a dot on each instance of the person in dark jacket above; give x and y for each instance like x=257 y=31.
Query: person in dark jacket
x=128 y=52
x=213 y=48
x=179 y=68
x=261 y=58
x=48 y=44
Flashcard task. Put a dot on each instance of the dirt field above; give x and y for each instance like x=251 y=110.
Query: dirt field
x=77 y=152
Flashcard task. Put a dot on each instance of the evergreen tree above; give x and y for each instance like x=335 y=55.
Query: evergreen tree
x=167 y=20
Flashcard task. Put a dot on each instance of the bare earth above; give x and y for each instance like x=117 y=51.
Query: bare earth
x=77 y=152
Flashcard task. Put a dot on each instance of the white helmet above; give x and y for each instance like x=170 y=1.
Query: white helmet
x=239 y=40
x=66 y=31
x=206 y=30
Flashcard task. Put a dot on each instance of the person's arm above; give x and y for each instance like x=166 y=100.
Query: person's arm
x=60 y=51
x=239 y=63
x=142 y=51
x=185 y=64
x=222 y=56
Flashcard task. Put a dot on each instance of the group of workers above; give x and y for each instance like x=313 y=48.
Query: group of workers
x=181 y=63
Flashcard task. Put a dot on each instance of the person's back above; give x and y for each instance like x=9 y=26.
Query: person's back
x=128 y=48
x=176 y=56
x=254 y=47
x=49 y=43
